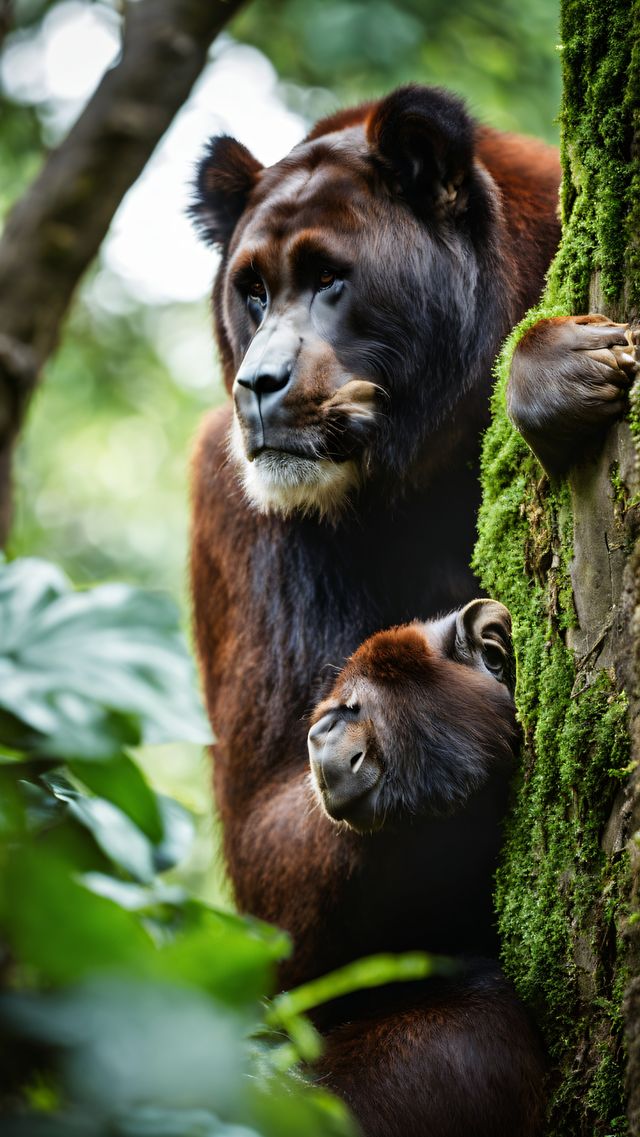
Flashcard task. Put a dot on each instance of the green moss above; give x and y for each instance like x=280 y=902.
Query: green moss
x=600 y=112
x=560 y=895
x=634 y=412
x=620 y=492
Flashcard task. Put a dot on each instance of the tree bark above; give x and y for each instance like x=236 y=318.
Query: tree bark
x=55 y=230
x=566 y=559
x=6 y=19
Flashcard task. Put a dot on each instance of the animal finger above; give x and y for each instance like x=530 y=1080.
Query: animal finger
x=604 y=394
x=626 y=359
x=598 y=335
x=617 y=359
x=593 y=318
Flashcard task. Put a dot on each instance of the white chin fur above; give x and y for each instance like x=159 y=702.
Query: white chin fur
x=281 y=483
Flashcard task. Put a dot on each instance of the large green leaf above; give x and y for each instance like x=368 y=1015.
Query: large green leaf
x=231 y=957
x=132 y=896
x=121 y=782
x=112 y=830
x=77 y=922
x=85 y=673
x=125 y=1043
x=60 y=930
x=178 y=831
x=145 y=1121
x=122 y=839
x=157 y=1060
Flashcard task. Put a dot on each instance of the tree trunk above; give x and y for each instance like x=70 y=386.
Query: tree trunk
x=55 y=230
x=566 y=559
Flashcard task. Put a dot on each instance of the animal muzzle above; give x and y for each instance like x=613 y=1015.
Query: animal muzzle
x=346 y=771
x=261 y=385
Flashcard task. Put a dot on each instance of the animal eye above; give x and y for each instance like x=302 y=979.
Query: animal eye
x=257 y=292
x=494 y=660
x=326 y=277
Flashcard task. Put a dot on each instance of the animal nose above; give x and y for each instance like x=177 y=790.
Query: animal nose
x=268 y=378
x=339 y=760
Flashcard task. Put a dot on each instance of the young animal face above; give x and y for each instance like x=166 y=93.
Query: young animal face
x=418 y=720
x=352 y=271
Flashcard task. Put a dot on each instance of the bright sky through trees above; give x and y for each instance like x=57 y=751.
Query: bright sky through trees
x=151 y=245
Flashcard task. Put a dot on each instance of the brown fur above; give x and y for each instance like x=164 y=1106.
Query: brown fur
x=282 y=602
x=400 y=655
x=479 y=1078
x=569 y=380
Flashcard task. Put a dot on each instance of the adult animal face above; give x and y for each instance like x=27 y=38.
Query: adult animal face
x=352 y=270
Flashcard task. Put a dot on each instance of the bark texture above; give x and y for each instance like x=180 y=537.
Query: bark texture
x=565 y=558
x=6 y=15
x=55 y=230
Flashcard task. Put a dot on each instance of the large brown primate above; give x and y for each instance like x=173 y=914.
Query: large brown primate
x=367 y=281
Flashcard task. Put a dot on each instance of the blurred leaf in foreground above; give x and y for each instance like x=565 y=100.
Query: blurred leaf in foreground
x=84 y=673
x=129 y=1043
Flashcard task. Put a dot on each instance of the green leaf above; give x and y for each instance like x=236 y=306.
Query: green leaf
x=178 y=831
x=124 y=1042
x=153 y=1122
x=27 y=587
x=112 y=830
x=9 y=757
x=230 y=956
x=146 y=1121
x=57 y=927
x=12 y=809
x=122 y=783
x=52 y=798
x=86 y=673
x=374 y=971
x=286 y=1106
x=134 y=897
x=42 y=807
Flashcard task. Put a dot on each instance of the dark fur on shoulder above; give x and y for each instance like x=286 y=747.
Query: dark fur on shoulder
x=462 y=1057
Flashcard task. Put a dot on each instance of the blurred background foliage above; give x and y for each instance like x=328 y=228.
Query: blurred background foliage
x=501 y=56
x=102 y=470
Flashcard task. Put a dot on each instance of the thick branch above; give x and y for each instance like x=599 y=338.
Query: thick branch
x=6 y=17
x=56 y=229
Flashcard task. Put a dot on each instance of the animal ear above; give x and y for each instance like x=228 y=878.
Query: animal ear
x=226 y=175
x=423 y=139
x=483 y=631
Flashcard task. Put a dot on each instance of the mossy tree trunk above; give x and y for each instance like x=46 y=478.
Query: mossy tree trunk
x=566 y=559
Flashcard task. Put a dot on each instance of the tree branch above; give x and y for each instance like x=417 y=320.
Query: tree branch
x=56 y=229
x=6 y=19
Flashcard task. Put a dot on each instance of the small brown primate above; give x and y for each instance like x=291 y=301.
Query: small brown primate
x=411 y=756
